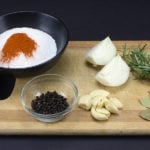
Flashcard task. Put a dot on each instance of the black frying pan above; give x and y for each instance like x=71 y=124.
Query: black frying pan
x=47 y=23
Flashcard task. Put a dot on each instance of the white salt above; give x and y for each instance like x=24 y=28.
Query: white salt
x=45 y=51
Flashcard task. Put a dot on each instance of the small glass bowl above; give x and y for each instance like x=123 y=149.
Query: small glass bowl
x=49 y=82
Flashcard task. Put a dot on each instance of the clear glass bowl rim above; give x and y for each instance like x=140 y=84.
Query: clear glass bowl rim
x=66 y=111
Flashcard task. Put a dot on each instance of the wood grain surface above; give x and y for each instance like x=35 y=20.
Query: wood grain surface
x=14 y=120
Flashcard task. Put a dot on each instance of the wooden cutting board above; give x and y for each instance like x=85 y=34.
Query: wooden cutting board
x=14 y=120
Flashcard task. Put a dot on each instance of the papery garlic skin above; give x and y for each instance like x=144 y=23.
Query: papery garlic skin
x=115 y=73
x=102 y=53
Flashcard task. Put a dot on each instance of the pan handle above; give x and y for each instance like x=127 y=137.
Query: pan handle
x=7 y=83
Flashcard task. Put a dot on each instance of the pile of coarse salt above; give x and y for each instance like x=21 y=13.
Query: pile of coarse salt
x=46 y=48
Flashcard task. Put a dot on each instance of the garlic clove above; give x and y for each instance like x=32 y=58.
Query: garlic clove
x=103 y=111
x=95 y=101
x=116 y=102
x=111 y=107
x=102 y=103
x=99 y=92
x=115 y=73
x=98 y=116
x=102 y=53
x=85 y=102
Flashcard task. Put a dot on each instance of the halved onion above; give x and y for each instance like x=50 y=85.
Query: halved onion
x=115 y=73
x=102 y=53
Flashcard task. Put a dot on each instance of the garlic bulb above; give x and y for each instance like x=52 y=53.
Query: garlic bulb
x=115 y=73
x=102 y=53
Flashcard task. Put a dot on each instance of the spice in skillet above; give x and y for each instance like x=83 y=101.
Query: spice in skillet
x=16 y=44
x=49 y=103
x=25 y=47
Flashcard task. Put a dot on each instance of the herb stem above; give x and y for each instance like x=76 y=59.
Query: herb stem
x=138 y=60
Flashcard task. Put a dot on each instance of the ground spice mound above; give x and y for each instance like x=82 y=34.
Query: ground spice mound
x=49 y=103
x=16 y=44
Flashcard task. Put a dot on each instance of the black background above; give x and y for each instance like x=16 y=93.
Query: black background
x=87 y=20
x=93 y=19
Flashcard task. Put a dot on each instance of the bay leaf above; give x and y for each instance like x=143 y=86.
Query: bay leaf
x=145 y=114
x=145 y=102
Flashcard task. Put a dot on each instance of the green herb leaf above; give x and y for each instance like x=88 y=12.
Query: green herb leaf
x=145 y=114
x=145 y=102
x=138 y=60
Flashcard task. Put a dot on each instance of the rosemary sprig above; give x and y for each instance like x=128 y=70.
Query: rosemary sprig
x=138 y=60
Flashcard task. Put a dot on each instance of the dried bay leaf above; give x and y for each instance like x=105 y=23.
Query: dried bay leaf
x=145 y=114
x=145 y=102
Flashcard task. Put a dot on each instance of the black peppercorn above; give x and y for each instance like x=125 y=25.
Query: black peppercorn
x=49 y=103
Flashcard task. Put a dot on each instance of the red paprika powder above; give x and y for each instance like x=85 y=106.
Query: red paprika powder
x=16 y=44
